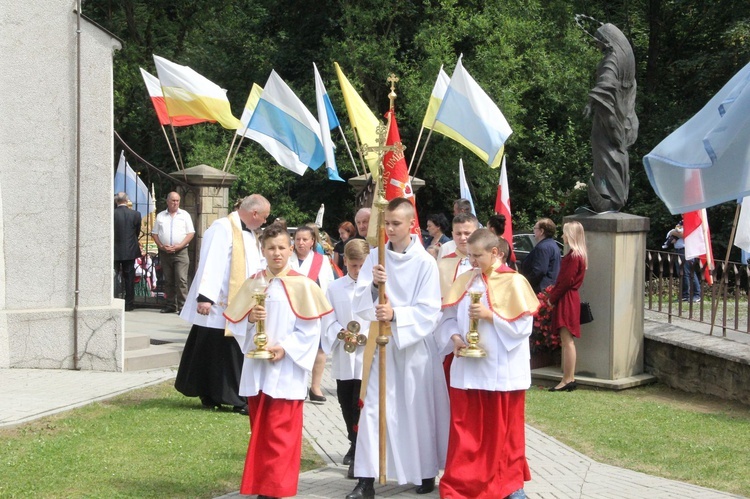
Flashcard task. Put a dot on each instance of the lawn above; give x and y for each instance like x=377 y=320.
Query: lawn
x=152 y=442
x=653 y=429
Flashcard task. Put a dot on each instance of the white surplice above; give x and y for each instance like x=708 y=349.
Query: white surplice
x=288 y=377
x=344 y=365
x=506 y=366
x=417 y=398
x=325 y=277
x=212 y=277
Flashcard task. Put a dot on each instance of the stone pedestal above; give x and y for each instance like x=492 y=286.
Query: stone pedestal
x=611 y=347
x=206 y=202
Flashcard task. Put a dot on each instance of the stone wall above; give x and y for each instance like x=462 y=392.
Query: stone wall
x=698 y=363
x=40 y=325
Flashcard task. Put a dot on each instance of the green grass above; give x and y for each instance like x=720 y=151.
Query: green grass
x=653 y=429
x=152 y=442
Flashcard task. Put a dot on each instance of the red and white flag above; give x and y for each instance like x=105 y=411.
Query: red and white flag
x=698 y=240
x=157 y=99
x=502 y=202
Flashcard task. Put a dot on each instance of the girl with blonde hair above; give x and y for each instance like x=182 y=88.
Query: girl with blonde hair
x=566 y=316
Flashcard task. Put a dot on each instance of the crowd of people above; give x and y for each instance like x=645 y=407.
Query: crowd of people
x=447 y=409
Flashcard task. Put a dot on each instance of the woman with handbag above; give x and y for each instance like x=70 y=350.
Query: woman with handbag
x=566 y=315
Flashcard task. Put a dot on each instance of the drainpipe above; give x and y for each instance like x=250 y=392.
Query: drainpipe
x=77 y=293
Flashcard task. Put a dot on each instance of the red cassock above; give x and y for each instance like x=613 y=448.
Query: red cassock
x=273 y=456
x=487 y=455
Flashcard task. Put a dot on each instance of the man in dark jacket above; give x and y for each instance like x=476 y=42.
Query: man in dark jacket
x=127 y=229
x=542 y=264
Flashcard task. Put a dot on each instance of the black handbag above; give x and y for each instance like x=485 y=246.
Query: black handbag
x=586 y=315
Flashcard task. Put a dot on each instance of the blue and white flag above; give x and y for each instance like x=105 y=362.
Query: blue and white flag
x=127 y=181
x=468 y=116
x=706 y=161
x=463 y=185
x=285 y=128
x=328 y=121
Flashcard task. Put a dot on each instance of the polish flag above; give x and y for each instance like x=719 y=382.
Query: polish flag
x=157 y=99
x=502 y=203
x=698 y=240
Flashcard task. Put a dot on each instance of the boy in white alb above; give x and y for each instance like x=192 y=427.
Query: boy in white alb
x=346 y=368
x=276 y=388
x=486 y=447
x=416 y=397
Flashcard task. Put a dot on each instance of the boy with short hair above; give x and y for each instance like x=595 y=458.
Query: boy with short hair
x=276 y=388
x=417 y=400
x=346 y=368
x=486 y=446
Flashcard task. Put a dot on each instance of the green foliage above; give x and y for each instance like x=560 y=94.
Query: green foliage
x=529 y=56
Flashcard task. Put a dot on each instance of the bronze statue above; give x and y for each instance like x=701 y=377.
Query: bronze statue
x=615 y=124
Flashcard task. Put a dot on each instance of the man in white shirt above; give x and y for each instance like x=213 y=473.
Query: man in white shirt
x=173 y=231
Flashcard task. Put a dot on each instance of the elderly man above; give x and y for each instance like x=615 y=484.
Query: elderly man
x=362 y=221
x=173 y=231
x=127 y=228
x=211 y=362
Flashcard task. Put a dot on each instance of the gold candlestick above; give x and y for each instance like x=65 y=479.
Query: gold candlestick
x=472 y=337
x=351 y=337
x=260 y=338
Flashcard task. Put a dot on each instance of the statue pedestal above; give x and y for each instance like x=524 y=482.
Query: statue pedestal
x=610 y=350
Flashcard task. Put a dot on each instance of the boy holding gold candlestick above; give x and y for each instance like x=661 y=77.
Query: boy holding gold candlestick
x=275 y=382
x=486 y=444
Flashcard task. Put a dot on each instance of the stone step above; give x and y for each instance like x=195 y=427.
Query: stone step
x=137 y=341
x=153 y=357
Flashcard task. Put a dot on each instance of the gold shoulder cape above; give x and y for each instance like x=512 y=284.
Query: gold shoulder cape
x=304 y=295
x=509 y=293
x=447 y=267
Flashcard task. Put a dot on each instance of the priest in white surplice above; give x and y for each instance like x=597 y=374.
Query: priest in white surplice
x=417 y=398
x=211 y=362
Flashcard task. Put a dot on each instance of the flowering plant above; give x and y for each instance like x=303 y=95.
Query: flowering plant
x=543 y=338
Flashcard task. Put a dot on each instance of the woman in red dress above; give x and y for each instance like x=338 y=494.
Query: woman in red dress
x=566 y=316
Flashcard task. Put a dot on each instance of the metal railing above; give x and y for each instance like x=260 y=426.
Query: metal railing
x=730 y=291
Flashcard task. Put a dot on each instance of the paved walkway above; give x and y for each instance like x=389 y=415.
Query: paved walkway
x=557 y=470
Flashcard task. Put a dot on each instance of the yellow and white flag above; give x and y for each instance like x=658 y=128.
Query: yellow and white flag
x=187 y=93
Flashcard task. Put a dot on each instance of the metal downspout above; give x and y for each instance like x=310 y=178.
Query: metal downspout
x=78 y=188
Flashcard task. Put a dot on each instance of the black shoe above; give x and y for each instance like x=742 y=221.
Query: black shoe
x=168 y=310
x=267 y=497
x=209 y=403
x=316 y=399
x=365 y=489
x=569 y=387
x=350 y=471
x=349 y=456
x=129 y=308
x=428 y=485
x=240 y=409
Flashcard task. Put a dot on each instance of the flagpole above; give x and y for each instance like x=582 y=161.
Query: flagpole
x=169 y=144
x=427 y=141
x=229 y=153
x=414 y=154
x=242 y=137
x=359 y=150
x=177 y=146
x=346 y=142
x=715 y=303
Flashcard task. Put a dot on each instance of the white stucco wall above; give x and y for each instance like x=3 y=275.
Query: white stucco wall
x=38 y=182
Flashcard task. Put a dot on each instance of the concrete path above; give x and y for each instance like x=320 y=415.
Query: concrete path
x=557 y=470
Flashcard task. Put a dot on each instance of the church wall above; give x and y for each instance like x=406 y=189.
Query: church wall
x=38 y=180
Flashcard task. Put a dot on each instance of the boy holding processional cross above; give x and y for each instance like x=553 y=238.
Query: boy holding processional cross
x=346 y=365
x=416 y=395
x=486 y=446
x=292 y=310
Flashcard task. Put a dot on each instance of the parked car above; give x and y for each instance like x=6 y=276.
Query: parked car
x=524 y=243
